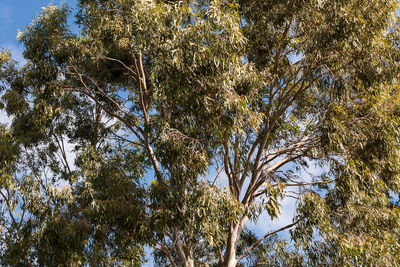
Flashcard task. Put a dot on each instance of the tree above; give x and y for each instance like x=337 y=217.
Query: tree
x=257 y=90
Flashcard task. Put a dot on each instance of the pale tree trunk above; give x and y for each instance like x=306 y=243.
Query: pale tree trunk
x=184 y=257
x=185 y=260
x=189 y=262
x=233 y=238
x=230 y=253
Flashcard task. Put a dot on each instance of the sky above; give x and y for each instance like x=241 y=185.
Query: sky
x=17 y=14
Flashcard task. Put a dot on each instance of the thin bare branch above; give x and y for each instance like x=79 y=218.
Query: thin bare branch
x=311 y=183
x=264 y=237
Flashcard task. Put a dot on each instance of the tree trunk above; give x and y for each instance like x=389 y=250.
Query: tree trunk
x=185 y=258
x=231 y=246
x=189 y=262
x=230 y=253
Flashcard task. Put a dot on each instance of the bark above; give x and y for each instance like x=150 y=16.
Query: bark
x=233 y=238
x=189 y=262
x=230 y=253
x=185 y=258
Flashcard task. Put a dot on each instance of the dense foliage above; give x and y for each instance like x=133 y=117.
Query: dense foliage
x=123 y=131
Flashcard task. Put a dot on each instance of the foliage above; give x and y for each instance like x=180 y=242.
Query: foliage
x=116 y=128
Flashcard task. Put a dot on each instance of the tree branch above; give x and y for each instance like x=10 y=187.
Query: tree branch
x=166 y=251
x=263 y=237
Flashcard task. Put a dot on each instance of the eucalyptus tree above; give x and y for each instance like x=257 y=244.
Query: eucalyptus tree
x=172 y=89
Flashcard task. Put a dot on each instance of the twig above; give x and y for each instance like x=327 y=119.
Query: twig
x=263 y=237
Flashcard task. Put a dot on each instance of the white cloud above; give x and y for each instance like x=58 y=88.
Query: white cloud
x=16 y=52
x=264 y=224
x=4 y=119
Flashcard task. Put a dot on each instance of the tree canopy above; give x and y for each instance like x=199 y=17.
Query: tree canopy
x=121 y=129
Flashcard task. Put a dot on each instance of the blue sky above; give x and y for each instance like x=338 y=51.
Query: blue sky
x=14 y=16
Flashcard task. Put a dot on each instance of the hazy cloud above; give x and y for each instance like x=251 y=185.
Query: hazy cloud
x=16 y=52
x=4 y=119
x=264 y=224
